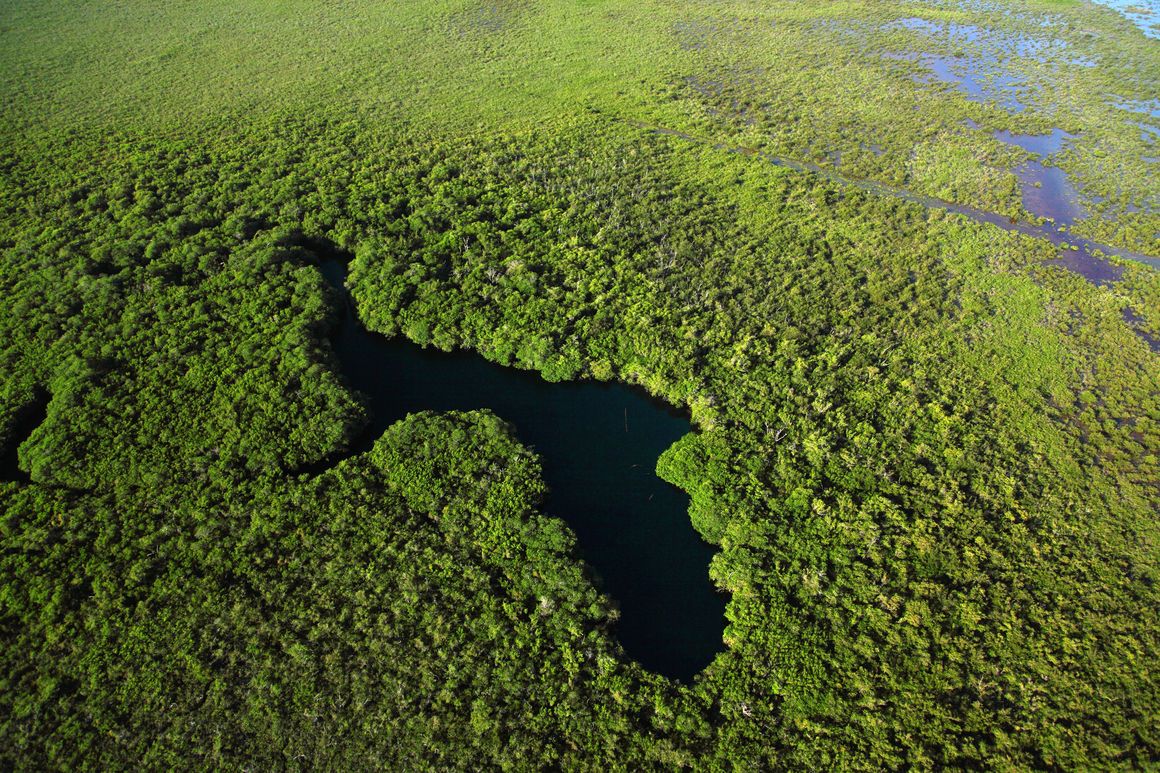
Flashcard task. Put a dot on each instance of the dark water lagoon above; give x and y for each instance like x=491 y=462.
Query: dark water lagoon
x=27 y=419
x=10 y=463
x=599 y=445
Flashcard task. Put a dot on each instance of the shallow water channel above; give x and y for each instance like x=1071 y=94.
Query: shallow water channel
x=599 y=445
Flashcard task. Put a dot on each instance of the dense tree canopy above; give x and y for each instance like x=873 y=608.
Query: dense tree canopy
x=927 y=456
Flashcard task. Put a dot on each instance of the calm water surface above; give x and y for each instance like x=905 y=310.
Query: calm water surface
x=599 y=445
x=26 y=420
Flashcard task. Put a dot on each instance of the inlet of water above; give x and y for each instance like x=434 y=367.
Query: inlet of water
x=599 y=445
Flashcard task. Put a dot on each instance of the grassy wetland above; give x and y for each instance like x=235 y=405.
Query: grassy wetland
x=923 y=442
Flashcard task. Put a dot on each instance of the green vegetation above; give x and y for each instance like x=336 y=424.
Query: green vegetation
x=928 y=457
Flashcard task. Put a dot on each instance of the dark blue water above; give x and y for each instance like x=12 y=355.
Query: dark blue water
x=599 y=444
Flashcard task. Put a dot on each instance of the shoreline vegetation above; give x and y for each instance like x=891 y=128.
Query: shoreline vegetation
x=926 y=453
